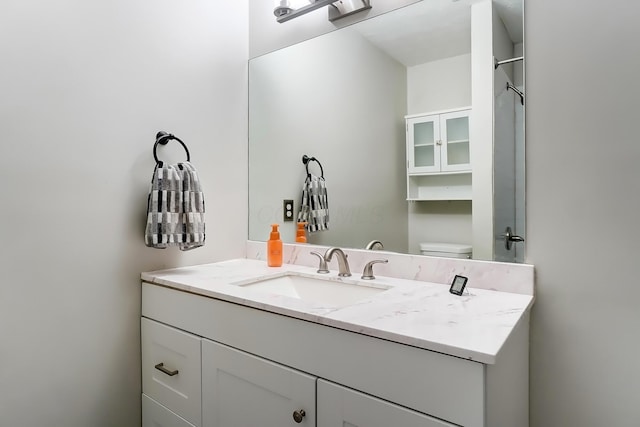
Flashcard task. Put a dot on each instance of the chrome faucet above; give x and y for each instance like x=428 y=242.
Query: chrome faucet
x=343 y=265
x=373 y=245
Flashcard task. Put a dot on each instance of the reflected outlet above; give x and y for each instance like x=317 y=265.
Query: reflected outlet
x=287 y=210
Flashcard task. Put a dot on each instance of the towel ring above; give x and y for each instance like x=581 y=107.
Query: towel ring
x=163 y=138
x=306 y=159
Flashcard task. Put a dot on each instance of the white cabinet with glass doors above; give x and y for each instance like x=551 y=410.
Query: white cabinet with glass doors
x=438 y=156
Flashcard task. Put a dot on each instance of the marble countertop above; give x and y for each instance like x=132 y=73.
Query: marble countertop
x=473 y=326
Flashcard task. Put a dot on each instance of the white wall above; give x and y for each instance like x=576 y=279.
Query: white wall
x=439 y=221
x=439 y=85
x=583 y=224
x=481 y=128
x=84 y=88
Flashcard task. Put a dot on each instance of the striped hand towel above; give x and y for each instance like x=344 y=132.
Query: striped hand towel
x=175 y=208
x=314 y=208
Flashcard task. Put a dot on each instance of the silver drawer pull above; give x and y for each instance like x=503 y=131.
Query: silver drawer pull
x=160 y=367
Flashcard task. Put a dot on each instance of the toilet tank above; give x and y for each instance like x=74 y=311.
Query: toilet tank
x=446 y=250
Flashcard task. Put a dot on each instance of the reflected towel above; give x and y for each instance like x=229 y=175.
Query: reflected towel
x=314 y=207
x=175 y=208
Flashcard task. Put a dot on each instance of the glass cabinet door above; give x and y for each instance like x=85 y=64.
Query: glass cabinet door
x=423 y=136
x=455 y=137
x=438 y=156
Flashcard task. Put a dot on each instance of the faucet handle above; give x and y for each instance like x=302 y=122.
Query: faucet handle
x=367 y=274
x=322 y=268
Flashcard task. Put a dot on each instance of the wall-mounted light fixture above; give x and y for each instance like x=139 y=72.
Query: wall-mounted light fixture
x=337 y=8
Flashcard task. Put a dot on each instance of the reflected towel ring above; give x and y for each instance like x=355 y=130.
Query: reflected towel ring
x=306 y=159
x=163 y=138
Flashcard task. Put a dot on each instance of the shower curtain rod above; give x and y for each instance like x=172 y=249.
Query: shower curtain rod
x=507 y=61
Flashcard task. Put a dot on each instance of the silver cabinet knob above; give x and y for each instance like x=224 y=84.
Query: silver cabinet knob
x=298 y=415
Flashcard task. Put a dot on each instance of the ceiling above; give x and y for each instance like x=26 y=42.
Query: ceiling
x=434 y=29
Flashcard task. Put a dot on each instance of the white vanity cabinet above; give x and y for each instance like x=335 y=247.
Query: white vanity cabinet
x=439 y=156
x=239 y=389
x=171 y=376
x=156 y=415
x=257 y=368
x=339 y=406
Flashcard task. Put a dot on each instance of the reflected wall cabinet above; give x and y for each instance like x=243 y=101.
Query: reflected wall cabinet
x=438 y=156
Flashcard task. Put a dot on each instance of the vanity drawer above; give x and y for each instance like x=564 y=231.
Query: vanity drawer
x=171 y=369
x=156 y=415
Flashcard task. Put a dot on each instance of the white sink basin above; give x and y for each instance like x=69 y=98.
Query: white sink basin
x=317 y=290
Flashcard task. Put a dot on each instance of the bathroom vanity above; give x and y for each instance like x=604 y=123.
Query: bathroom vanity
x=217 y=350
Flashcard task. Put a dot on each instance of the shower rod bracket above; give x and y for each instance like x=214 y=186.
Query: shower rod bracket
x=516 y=90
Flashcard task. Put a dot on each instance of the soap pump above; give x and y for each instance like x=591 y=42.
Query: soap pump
x=274 y=248
x=301 y=233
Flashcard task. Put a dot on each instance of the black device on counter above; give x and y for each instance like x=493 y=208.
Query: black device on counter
x=458 y=284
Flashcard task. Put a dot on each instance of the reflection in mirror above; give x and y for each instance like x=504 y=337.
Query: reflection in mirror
x=344 y=98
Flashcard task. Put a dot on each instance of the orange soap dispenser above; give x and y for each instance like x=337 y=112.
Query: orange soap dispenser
x=274 y=248
x=301 y=233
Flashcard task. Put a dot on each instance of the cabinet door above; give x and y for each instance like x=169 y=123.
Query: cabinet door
x=423 y=144
x=242 y=390
x=171 y=369
x=156 y=415
x=342 y=407
x=454 y=132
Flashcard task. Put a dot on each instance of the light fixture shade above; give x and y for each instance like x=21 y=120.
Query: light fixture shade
x=282 y=8
x=285 y=10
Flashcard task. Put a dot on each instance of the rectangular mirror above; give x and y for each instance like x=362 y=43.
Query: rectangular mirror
x=419 y=134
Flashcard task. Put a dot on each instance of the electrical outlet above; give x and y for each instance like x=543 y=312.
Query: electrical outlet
x=287 y=210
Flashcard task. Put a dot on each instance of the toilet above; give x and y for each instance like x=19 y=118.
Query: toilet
x=446 y=250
